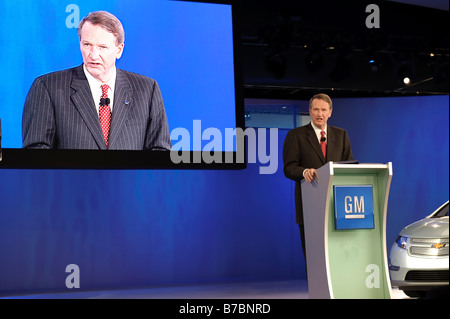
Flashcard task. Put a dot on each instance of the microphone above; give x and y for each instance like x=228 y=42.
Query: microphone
x=104 y=101
x=323 y=139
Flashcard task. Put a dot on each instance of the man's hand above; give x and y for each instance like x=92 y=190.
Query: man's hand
x=310 y=175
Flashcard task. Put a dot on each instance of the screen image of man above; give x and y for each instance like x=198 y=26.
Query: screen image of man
x=96 y=105
x=309 y=147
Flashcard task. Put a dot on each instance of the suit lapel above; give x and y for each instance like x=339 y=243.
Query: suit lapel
x=312 y=138
x=122 y=103
x=82 y=99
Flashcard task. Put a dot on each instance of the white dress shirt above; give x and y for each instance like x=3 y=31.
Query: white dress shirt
x=319 y=136
x=96 y=88
x=318 y=130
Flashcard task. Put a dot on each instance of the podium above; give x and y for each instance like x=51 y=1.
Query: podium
x=344 y=213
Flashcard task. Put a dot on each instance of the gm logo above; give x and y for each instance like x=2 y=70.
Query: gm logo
x=353 y=207
x=356 y=206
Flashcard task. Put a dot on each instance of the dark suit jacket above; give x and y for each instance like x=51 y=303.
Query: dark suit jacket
x=302 y=150
x=59 y=112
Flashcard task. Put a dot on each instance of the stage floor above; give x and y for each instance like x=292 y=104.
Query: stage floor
x=292 y=289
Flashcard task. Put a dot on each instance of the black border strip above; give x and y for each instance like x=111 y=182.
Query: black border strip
x=93 y=159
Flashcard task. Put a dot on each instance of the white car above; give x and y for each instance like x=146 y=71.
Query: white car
x=419 y=257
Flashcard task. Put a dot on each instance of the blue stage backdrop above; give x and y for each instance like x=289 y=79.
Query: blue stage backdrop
x=136 y=228
x=154 y=227
x=186 y=46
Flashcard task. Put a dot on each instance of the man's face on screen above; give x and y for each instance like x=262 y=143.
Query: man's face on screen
x=99 y=50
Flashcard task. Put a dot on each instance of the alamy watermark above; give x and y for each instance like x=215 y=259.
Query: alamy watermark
x=373 y=19
x=73 y=19
x=211 y=152
x=73 y=279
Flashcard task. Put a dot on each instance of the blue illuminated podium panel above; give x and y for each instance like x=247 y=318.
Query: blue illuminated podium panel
x=353 y=206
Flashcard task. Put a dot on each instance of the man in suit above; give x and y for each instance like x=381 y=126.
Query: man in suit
x=303 y=154
x=96 y=105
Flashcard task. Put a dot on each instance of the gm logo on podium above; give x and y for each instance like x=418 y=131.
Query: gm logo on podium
x=353 y=207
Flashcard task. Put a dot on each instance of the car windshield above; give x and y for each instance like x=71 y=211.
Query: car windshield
x=442 y=212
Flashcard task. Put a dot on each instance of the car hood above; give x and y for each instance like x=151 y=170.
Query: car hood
x=427 y=228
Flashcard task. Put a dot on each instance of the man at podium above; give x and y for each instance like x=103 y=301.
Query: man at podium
x=309 y=147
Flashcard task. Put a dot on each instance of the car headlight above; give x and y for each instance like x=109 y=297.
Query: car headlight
x=401 y=242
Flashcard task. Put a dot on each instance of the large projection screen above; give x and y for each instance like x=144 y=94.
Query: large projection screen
x=187 y=47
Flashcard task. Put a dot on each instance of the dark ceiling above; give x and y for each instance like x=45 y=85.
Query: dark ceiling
x=291 y=49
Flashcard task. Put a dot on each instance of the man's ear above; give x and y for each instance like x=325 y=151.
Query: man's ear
x=120 y=50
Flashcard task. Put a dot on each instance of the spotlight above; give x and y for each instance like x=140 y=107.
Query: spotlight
x=377 y=61
x=406 y=80
x=405 y=73
x=374 y=65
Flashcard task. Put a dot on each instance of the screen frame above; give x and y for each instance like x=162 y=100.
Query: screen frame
x=19 y=158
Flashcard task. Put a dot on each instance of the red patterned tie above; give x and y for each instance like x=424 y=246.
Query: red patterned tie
x=323 y=144
x=105 y=113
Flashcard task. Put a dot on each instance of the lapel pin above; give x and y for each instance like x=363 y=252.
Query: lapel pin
x=127 y=102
